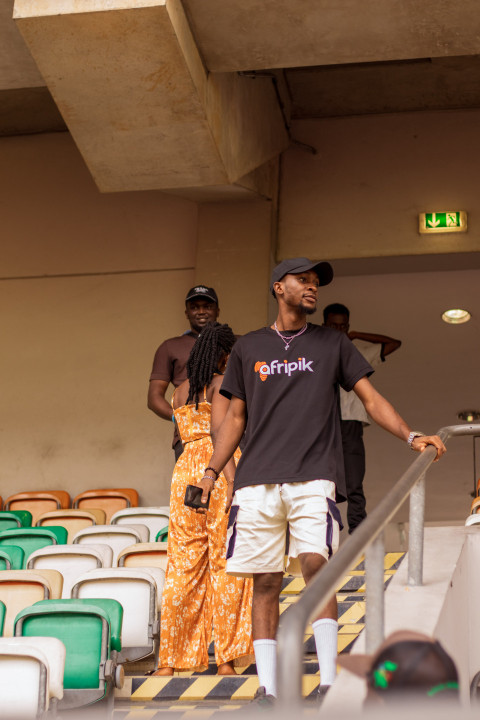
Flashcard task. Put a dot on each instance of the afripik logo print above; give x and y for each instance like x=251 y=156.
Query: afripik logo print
x=277 y=367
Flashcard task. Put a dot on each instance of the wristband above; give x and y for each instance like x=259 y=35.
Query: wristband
x=209 y=467
x=173 y=417
x=210 y=477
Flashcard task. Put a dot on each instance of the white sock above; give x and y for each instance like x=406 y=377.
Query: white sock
x=266 y=660
x=325 y=632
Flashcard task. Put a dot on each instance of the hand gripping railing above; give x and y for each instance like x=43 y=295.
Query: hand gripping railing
x=369 y=534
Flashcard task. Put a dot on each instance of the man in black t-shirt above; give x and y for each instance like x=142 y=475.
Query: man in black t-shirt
x=283 y=383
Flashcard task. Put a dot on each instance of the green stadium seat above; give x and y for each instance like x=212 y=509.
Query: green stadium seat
x=15 y=518
x=11 y=557
x=91 y=632
x=31 y=539
x=3 y=612
x=162 y=535
x=139 y=591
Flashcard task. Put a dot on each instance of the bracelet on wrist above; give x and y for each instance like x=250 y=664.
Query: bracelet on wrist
x=209 y=467
x=173 y=417
x=412 y=436
x=210 y=477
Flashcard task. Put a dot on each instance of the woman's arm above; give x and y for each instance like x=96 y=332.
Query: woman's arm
x=226 y=438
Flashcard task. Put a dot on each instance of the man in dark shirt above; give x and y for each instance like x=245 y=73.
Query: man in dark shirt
x=283 y=383
x=169 y=363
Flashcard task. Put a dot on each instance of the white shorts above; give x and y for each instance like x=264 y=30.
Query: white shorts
x=258 y=524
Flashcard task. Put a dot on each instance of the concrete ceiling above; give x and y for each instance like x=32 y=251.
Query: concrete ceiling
x=319 y=58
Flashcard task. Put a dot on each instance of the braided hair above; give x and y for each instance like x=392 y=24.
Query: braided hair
x=215 y=340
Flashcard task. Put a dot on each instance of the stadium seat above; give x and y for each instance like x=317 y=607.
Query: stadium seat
x=144 y=555
x=21 y=588
x=117 y=536
x=3 y=611
x=31 y=676
x=110 y=500
x=11 y=557
x=38 y=502
x=30 y=539
x=71 y=561
x=139 y=591
x=162 y=535
x=72 y=519
x=15 y=518
x=155 y=518
x=91 y=633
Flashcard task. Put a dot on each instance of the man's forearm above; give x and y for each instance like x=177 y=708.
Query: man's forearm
x=156 y=399
x=226 y=440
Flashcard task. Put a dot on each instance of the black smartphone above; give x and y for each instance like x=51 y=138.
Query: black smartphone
x=193 y=494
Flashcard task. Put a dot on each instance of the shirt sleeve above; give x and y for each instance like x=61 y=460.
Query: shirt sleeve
x=372 y=352
x=162 y=368
x=233 y=381
x=353 y=366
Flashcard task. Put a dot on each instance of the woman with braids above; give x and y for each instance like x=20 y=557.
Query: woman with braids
x=198 y=594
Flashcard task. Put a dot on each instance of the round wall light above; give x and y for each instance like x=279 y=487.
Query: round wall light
x=456 y=316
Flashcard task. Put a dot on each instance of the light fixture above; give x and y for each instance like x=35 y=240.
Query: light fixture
x=469 y=416
x=456 y=316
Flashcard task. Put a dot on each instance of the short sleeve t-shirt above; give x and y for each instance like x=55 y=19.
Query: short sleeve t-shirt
x=292 y=404
x=351 y=407
x=170 y=361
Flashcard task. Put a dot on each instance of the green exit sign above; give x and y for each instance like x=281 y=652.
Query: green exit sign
x=443 y=222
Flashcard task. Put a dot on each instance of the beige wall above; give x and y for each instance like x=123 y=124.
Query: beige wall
x=234 y=255
x=77 y=348
x=360 y=195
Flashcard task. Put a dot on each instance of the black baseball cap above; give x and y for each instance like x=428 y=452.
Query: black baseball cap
x=406 y=661
x=301 y=264
x=202 y=291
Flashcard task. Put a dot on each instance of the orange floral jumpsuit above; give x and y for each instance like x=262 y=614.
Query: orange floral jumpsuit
x=198 y=594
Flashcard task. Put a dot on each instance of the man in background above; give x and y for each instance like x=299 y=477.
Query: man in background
x=374 y=349
x=169 y=363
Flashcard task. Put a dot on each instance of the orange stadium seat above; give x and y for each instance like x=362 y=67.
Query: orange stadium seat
x=38 y=502
x=110 y=500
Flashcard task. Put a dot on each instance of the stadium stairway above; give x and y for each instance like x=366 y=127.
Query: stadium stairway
x=194 y=694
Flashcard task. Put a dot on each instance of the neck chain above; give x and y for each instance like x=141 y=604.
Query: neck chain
x=288 y=340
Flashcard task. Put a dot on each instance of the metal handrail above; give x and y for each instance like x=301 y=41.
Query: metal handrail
x=369 y=533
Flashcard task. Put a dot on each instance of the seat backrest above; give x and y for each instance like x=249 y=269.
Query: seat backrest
x=155 y=518
x=3 y=611
x=135 y=589
x=150 y=554
x=30 y=539
x=18 y=659
x=117 y=536
x=89 y=629
x=108 y=499
x=38 y=502
x=15 y=518
x=12 y=557
x=21 y=588
x=72 y=519
x=71 y=561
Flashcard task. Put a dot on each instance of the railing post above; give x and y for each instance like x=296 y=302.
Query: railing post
x=415 y=533
x=374 y=595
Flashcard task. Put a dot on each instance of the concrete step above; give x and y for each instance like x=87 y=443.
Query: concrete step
x=185 y=692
